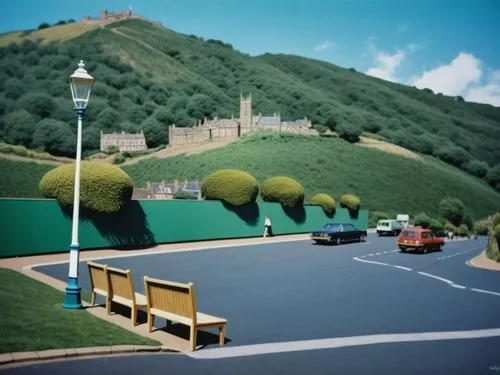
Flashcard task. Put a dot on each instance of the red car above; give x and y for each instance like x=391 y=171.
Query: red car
x=419 y=239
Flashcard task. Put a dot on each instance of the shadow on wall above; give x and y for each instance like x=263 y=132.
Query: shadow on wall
x=249 y=212
x=127 y=229
x=296 y=213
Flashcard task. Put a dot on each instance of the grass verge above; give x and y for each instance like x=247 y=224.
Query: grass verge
x=33 y=319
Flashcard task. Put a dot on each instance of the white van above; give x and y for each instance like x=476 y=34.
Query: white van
x=389 y=227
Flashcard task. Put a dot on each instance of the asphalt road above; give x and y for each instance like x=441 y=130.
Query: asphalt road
x=328 y=300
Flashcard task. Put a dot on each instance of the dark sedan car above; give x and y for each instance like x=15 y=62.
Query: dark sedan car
x=338 y=233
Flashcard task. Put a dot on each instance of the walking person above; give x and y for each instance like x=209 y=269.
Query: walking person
x=268 y=230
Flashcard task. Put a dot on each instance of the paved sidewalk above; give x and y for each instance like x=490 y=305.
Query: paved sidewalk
x=482 y=261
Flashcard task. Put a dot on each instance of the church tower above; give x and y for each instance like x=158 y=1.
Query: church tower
x=246 y=111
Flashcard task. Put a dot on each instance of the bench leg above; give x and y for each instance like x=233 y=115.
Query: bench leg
x=222 y=334
x=133 y=313
x=193 y=338
x=151 y=319
x=92 y=302
x=108 y=306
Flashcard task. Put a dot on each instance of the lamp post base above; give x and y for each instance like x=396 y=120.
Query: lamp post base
x=72 y=298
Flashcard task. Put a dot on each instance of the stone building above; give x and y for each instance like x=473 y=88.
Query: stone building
x=233 y=128
x=167 y=190
x=124 y=141
x=106 y=17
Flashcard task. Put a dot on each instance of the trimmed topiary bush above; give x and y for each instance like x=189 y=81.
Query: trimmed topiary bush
x=230 y=185
x=103 y=187
x=351 y=202
x=326 y=202
x=284 y=190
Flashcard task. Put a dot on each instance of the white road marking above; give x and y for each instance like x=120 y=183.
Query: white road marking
x=485 y=291
x=382 y=264
x=339 y=342
x=442 y=279
x=403 y=268
x=436 y=277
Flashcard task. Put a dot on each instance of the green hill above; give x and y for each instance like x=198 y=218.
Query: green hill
x=148 y=77
x=383 y=181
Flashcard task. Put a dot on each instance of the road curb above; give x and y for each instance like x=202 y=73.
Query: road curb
x=488 y=267
x=33 y=357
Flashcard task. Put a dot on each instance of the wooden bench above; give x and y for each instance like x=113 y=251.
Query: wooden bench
x=177 y=302
x=121 y=290
x=98 y=280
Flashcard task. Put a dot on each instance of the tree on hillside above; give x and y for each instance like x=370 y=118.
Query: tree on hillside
x=453 y=210
x=493 y=177
x=156 y=134
x=200 y=106
x=43 y=25
x=54 y=137
x=19 y=127
x=39 y=104
x=349 y=132
x=478 y=168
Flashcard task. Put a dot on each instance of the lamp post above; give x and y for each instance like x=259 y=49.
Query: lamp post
x=80 y=83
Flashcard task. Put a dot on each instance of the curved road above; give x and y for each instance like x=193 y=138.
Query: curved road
x=300 y=308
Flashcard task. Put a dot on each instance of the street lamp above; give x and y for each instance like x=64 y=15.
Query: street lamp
x=80 y=82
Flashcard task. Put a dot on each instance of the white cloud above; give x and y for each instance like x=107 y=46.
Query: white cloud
x=452 y=78
x=462 y=76
x=326 y=45
x=386 y=63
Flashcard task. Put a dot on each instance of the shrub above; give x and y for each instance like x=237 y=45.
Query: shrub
x=481 y=227
x=349 y=132
x=183 y=194
x=230 y=185
x=351 y=202
x=436 y=226
x=493 y=176
x=325 y=201
x=463 y=231
x=478 y=168
x=284 y=190
x=422 y=220
x=496 y=234
x=449 y=226
x=375 y=216
x=495 y=220
x=452 y=209
x=103 y=187
x=119 y=159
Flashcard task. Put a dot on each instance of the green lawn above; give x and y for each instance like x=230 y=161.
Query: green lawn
x=33 y=319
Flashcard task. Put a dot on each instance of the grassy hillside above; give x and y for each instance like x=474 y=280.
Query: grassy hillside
x=148 y=77
x=383 y=181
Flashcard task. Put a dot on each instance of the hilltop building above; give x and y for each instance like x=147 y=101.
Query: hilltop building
x=124 y=141
x=235 y=127
x=107 y=17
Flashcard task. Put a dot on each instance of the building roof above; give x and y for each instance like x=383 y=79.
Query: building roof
x=268 y=120
x=122 y=136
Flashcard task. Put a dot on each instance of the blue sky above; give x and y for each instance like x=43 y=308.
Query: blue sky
x=450 y=46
